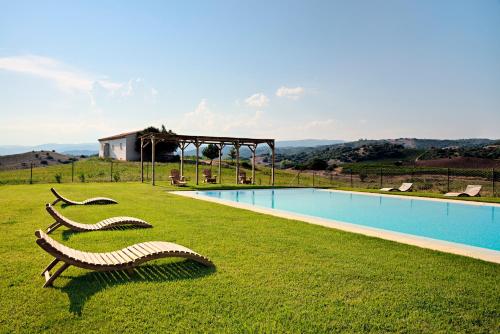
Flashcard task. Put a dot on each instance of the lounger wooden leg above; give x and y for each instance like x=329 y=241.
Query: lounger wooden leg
x=50 y=279
x=53 y=227
x=56 y=201
x=50 y=266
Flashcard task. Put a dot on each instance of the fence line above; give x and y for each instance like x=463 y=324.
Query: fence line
x=439 y=180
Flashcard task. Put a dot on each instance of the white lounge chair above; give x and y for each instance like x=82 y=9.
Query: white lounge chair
x=472 y=190
x=404 y=188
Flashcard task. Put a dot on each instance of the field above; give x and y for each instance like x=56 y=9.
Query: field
x=272 y=274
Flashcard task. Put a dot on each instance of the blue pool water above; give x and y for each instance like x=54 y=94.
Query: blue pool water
x=467 y=224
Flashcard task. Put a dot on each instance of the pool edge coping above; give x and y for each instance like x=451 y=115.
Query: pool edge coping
x=419 y=241
x=409 y=197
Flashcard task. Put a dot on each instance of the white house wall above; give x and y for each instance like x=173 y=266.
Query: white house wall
x=117 y=148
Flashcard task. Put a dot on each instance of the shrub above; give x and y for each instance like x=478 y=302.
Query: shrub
x=58 y=177
x=44 y=162
x=116 y=176
x=246 y=165
x=363 y=176
x=284 y=164
x=317 y=164
x=81 y=176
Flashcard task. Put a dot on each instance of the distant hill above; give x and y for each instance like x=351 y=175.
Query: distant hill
x=37 y=158
x=89 y=148
x=307 y=142
x=287 y=146
x=406 y=150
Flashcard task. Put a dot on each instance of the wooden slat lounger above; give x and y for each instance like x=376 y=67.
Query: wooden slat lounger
x=90 y=201
x=471 y=191
x=124 y=259
x=404 y=188
x=105 y=224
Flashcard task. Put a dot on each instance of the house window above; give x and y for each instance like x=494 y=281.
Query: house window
x=121 y=148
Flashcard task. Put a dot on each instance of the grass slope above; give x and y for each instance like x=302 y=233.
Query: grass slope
x=272 y=275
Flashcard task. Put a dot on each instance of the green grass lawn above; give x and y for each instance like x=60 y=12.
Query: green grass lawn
x=272 y=274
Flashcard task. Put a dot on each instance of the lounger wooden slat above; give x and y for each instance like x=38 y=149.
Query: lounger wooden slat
x=105 y=224
x=90 y=201
x=124 y=259
x=148 y=248
x=124 y=256
x=135 y=251
x=117 y=258
x=143 y=250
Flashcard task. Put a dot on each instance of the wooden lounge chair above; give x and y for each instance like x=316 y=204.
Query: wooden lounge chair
x=90 y=201
x=243 y=178
x=124 y=259
x=404 y=188
x=472 y=190
x=105 y=224
x=176 y=179
x=207 y=173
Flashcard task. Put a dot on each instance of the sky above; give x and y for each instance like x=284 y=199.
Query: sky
x=72 y=72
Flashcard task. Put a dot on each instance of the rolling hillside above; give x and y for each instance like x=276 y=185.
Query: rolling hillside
x=35 y=158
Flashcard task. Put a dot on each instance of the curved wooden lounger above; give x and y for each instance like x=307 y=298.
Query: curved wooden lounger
x=102 y=225
x=90 y=201
x=124 y=259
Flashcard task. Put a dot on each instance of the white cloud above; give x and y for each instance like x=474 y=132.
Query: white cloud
x=291 y=93
x=71 y=80
x=258 y=100
x=65 y=77
x=207 y=122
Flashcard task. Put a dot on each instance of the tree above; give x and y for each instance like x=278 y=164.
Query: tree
x=232 y=153
x=163 y=149
x=211 y=152
x=317 y=164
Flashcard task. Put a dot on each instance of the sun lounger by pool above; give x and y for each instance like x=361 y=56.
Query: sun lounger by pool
x=105 y=224
x=207 y=173
x=124 y=259
x=404 y=188
x=471 y=191
x=90 y=201
x=176 y=179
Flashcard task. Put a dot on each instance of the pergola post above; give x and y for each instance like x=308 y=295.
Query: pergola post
x=142 y=161
x=197 y=144
x=253 y=149
x=237 y=146
x=182 y=146
x=272 y=162
x=220 y=146
x=153 y=145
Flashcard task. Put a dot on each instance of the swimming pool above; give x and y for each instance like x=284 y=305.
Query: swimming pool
x=476 y=224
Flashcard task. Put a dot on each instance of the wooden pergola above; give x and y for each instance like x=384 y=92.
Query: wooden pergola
x=184 y=141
